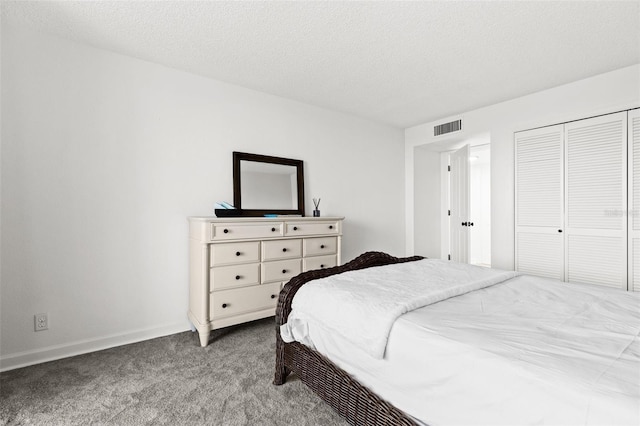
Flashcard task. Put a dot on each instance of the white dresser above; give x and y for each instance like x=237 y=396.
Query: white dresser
x=238 y=265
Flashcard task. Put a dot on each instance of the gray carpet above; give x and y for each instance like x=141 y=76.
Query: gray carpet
x=169 y=380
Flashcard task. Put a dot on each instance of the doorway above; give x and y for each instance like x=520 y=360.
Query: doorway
x=432 y=226
x=469 y=201
x=480 y=205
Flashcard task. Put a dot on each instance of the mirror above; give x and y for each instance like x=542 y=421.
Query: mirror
x=267 y=185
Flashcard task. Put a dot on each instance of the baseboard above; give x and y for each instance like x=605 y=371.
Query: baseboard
x=52 y=353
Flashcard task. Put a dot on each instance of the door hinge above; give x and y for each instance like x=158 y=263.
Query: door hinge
x=449 y=213
x=449 y=257
x=448 y=168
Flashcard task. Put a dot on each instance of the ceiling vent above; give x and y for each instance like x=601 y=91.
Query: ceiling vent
x=453 y=126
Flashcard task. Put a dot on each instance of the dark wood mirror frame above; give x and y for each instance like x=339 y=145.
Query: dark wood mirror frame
x=238 y=157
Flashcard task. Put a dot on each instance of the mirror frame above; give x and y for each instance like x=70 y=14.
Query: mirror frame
x=237 y=183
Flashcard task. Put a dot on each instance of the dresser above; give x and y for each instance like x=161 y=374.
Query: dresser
x=237 y=266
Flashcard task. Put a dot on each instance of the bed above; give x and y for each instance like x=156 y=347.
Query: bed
x=481 y=346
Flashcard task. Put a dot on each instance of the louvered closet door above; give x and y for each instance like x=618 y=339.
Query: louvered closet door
x=539 y=202
x=595 y=205
x=633 y=223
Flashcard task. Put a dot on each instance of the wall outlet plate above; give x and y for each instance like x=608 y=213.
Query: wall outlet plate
x=40 y=322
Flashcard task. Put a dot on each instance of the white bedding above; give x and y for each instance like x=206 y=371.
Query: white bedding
x=362 y=305
x=525 y=351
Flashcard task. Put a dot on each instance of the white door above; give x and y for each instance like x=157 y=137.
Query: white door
x=596 y=200
x=633 y=223
x=480 y=205
x=459 y=193
x=539 y=200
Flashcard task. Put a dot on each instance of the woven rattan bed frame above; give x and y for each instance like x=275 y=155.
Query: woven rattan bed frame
x=343 y=393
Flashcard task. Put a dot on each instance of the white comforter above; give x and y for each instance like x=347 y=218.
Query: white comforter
x=525 y=351
x=362 y=305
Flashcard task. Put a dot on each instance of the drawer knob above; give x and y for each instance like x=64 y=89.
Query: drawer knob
x=273 y=296
x=284 y=249
x=238 y=253
x=330 y=226
x=295 y=228
x=284 y=271
x=226 y=231
x=224 y=305
x=273 y=229
x=322 y=246
x=321 y=266
x=237 y=277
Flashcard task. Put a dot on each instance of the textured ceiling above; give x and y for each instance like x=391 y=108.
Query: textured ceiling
x=400 y=63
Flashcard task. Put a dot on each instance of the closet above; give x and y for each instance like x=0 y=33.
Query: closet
x=576 y=188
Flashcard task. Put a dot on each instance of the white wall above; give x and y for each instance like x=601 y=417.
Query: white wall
x=104 y=157
x=427 y=202
x=613 y=91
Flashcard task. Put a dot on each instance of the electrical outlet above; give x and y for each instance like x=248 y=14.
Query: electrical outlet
x=40 y=322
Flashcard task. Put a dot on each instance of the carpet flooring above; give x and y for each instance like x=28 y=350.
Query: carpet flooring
x=169 y=380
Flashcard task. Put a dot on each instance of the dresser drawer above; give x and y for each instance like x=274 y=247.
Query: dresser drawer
x=230 y=253
x=281 y=249
x=236 y=231
x=312 y=228
x=320 y=246
x=225 y=277
x=227 y=303
x=280 y=270
x=319 y=262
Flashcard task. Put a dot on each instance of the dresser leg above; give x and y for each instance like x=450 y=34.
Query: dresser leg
x=204 y=338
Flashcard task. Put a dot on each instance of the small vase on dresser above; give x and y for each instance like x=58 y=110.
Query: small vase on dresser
x=239 y=265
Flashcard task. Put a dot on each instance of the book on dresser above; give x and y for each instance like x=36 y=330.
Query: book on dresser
x=239 y=265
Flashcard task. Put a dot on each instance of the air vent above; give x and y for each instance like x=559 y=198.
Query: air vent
x=442 y=129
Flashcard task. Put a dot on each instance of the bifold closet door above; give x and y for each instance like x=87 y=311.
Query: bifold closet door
x=539 y=158
x=633 y=214
x=596 y=200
